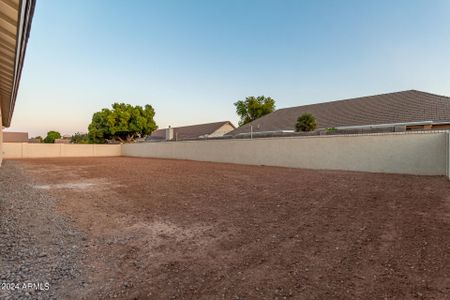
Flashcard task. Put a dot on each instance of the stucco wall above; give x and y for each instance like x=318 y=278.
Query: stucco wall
x=448 y=155
x=224 y=129
x=1 y=135
x=422 y=153
x=1 y=142
x=26 y=150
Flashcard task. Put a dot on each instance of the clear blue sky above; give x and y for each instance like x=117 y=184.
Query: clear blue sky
x=192 y=59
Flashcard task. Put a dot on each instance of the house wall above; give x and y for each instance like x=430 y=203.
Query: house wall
x=1 y=135
x=448 y=154
x=224 y=129
x=1 y=142
x=441 y=127
x=26 y=150
x=421 y=153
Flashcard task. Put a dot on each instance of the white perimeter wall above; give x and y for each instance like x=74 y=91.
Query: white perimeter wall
x=421 y=153
x=26 y=150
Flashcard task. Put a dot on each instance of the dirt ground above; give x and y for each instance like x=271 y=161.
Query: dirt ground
x=168 y=229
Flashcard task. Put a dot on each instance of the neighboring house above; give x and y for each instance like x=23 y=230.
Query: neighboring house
x=15 y=137
x=192 y=132
x=35 y=140
x=412 y=110
x=64 y=140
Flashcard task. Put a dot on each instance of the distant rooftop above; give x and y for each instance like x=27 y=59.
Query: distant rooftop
x=393 y=108
x=193 y=131
x=15 y=137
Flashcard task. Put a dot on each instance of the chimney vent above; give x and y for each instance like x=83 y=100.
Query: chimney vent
x=169 y=134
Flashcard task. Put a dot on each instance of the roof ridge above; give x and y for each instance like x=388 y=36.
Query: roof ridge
x=220 y=122
x=352 y=99
x=432 y=94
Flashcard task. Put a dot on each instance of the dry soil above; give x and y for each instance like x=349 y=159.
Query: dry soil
x=162 y=229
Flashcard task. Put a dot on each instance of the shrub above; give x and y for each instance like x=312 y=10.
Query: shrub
x=305 y=122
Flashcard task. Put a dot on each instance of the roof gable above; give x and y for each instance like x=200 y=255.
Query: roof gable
x=192 y=131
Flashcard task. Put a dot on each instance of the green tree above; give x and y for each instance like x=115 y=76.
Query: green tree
x=79 y=138
x=253 y=108
x=123 y=123
x=306 y=122
x=52 y=136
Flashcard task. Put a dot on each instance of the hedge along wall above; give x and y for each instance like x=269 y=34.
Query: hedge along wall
x=420 y=153
x=26 y=150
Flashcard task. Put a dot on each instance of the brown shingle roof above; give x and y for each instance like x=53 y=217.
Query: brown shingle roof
x=190 y=132
x=399 y=107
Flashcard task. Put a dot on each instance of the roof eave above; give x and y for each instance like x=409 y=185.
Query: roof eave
x=25 y=12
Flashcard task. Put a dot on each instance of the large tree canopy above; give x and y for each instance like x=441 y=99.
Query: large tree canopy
x=253 y=108
x=52 y=136
x=123 y=123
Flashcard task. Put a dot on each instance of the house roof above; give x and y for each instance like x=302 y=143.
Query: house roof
x=399 y=107
x=192 y=131
x=15 y=24
x=15 y=137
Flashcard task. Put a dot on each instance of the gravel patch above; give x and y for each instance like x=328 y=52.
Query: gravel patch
x=40 y=250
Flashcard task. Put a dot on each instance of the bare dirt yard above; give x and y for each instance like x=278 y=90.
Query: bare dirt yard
x=133 y=228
